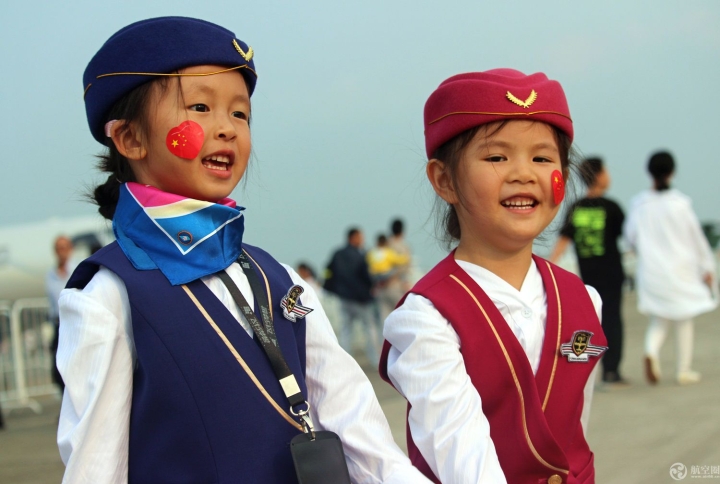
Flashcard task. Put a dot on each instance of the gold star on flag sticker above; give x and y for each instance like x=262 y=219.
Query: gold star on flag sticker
x=174 y=143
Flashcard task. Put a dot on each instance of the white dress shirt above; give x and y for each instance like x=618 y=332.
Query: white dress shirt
x=97 y=355
x=673 y=256
x=426 y=366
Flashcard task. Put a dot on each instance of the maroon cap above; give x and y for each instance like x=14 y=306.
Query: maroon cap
x=468 y=100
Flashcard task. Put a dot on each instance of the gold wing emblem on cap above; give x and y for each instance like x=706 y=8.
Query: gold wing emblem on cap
x=245 y=55
x=526 y=103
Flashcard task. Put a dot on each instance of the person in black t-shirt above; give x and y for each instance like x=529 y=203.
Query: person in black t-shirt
x=594 y=224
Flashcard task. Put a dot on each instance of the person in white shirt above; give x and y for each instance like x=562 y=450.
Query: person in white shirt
x=675 y=269
x=55 y=281
x=494 y=348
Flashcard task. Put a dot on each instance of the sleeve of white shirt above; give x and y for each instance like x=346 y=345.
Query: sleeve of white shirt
x=590 y=385
x=95 y=358
x=446 y=419
x=705 y=257
x=342 y=400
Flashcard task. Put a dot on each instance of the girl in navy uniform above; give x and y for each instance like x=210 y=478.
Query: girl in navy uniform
x=494 y=348
x=165 y=334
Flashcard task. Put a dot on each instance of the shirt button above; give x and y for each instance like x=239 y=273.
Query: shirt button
x=555 y=479
x=526 y=313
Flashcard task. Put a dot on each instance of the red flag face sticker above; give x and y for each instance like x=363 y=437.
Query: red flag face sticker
x=558 y=186
x=185 y=140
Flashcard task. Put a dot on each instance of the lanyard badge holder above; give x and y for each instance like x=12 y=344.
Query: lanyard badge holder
x=318 y=455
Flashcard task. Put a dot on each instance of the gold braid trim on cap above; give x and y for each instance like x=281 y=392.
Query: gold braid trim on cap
x=518 y=387
x=500 y=114
x=172 y=74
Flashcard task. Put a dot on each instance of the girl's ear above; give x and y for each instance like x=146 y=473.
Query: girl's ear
x=441 y=180
x=128 y=140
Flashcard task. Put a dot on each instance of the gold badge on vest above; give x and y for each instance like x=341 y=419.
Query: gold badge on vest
x=291 y=304
x=579 y=348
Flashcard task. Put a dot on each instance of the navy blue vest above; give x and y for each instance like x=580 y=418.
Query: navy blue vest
x=197 y=416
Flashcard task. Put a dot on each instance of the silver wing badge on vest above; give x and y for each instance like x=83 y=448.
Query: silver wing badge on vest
x=579 y=348
x=290 y=304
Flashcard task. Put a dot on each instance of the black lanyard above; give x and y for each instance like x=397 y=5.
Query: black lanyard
x=266 y=334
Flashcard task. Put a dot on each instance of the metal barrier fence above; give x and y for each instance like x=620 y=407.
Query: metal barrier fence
x=25 y=358
x=7 y=375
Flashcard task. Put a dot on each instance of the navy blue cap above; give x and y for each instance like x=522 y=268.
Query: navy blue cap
x=142 y=51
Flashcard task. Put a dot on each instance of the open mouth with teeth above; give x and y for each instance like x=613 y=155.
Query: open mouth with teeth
x=520 y=203
x=218 y=162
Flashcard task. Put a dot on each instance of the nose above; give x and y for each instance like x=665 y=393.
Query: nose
x=225 y=129
x=521 y=171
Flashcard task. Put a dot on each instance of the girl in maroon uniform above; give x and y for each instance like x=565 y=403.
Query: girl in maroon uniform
x=494 y=348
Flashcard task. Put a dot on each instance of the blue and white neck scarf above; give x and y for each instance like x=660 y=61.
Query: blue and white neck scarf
x=185 y=238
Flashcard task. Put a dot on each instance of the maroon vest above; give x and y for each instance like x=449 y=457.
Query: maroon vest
x=534 y=418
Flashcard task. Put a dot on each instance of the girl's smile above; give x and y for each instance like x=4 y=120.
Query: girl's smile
x=523 y=203
x=218 y=108
x=220 y=162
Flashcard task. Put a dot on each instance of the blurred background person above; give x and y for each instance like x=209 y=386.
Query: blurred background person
x=305 y=271
x=676 y=267
x=385 y=265
x=406 y=275
x=55 y=281
x=594 y=224
x=347 y=275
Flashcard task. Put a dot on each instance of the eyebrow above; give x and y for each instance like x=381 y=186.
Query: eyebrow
x=504 y=144
x=203 y=89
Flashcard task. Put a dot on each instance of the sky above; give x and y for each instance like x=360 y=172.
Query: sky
x=337 y=112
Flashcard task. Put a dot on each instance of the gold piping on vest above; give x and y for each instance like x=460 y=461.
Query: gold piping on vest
x=557 y=343
x=267 y=284
x=240 y=360
x=500 y=114
x=515 y=378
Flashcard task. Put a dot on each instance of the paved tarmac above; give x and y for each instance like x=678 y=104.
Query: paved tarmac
x=637 y=433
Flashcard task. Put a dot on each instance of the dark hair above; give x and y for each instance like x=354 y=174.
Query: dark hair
x=589 y=169
x=381 y=240
x=661 y=166
x=131 y=108
x=397 y=227
x=451 y=152
x=306 y=267
x=352 y=232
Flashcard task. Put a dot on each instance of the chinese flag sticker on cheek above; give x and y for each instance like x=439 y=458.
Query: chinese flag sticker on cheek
x=185 y=140
x=558 y=186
